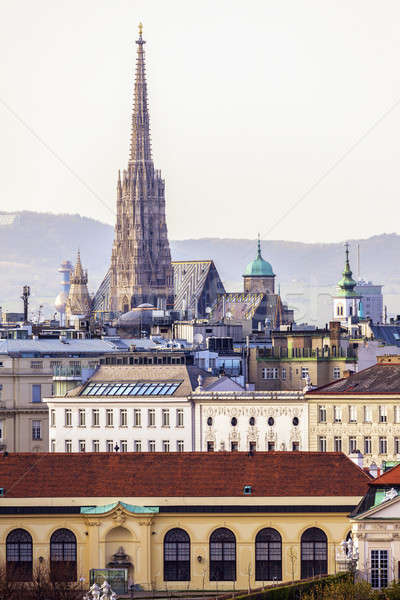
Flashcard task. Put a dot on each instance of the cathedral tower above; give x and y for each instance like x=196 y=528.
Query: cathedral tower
x=78 y=302
x=141 y=270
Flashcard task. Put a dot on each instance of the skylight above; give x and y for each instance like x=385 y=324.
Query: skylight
x=137 y=388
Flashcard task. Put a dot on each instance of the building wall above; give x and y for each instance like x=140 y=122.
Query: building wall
x=289 y=373
x=265 y=285
x=141 y=535
x=389 y=430
x=60 y=434
x=18 y=376
x=280 y=409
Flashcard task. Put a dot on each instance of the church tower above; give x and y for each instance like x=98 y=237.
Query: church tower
x=141 y=270
x=78 y=302
x=347 y=300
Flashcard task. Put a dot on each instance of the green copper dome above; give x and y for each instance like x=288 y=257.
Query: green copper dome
x=347 y=283
x=259 y=267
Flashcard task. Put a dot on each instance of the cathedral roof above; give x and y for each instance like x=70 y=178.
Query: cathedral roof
x=259 y=267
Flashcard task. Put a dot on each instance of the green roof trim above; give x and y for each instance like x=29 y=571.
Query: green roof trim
x=347 y=283
x=132 y=508
x=259 y=267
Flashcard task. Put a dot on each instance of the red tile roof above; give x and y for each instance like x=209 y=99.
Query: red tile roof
x=212 y=474
x=382 y=378
x=391 y=477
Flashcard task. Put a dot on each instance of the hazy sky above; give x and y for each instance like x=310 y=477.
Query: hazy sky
x=251 y=104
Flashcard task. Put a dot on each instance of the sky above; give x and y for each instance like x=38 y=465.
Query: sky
x=275 y=117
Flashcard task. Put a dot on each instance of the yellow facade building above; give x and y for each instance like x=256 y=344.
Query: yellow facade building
x=359 y=413
x=199 y=521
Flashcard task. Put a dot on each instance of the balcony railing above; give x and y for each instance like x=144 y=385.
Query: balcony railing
x=317 y=353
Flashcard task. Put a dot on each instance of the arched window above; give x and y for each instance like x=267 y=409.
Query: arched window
x=19 y=555
x=268 y=555
x=314 y=553
x=176 y=555
x=63 y=555
x=222 y=555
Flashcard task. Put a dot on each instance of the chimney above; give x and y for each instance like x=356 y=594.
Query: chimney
x=357 y=458
x=373 y=470
x=347 y=373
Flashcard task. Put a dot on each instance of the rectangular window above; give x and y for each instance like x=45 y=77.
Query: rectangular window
x=123 y=417
x=75 y=363
x=179 y=417
x=137 y=417
x=382 y=445
x=53 y=446
x=152 y=446
x=322 y=414
x=68 y=417
x=337 y=414
x=124 y=445
x=82 y=417
x=304 y=372
x=36 y=430
x=82 y=446
x=352 y=444
x=367 y=414
x=137 y=446
x=210 y=446
x=270 y=373
x=367 y=445
x=295 y=446
x=96 y=446
x=397 y=445
x=382 y=414
x=353 y=414
x=180 y=446
x=36 y=392
x=379 y=568
x=54 y=364
x=397 y=414
x=165 y=445
x=68 y=445
x=165 y=417
x=53 y=417
x=109 y=417
x=322 y=443
x=151 y=417
x=109 y=446
x=336 y=372
x=234 y=446
x=283 y=373
x=95 y=417
x=337 y=444
x=252 y=446
x=271 y=446
x=36 y=364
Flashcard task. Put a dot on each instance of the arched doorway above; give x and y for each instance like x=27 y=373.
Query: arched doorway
x=268 y=555
x=63 y=555
x=314 y=553
x=222 y=555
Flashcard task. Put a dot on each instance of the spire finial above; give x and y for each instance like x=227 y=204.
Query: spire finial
x=347 y=251
x=259 y=246
x=140 y=29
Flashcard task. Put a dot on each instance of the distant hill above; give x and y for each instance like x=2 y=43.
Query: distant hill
x=32 y=246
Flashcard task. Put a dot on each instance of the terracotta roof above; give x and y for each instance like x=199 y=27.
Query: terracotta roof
x=188 y=374
x=199 y=474
x=382 y=378
x=391 y=477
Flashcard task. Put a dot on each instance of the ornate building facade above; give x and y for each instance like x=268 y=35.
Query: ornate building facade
x=141 y=270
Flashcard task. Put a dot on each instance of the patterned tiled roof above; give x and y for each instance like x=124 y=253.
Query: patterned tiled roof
x=176 y=474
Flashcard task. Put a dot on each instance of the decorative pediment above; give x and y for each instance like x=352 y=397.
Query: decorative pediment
x=389 y=508
x=119 y=511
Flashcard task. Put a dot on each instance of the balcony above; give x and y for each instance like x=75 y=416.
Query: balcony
x=305 y=353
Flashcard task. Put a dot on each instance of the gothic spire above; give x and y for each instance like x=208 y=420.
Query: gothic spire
x=140 y=136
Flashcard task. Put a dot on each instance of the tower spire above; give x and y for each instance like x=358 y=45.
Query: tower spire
x=140 y=136
x=259 y=247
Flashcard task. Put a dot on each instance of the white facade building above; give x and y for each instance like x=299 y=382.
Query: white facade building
x=372 y=300
x=250 y=421
x=173 y=408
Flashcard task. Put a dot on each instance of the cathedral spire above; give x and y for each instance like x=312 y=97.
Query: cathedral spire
x=140 y=136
